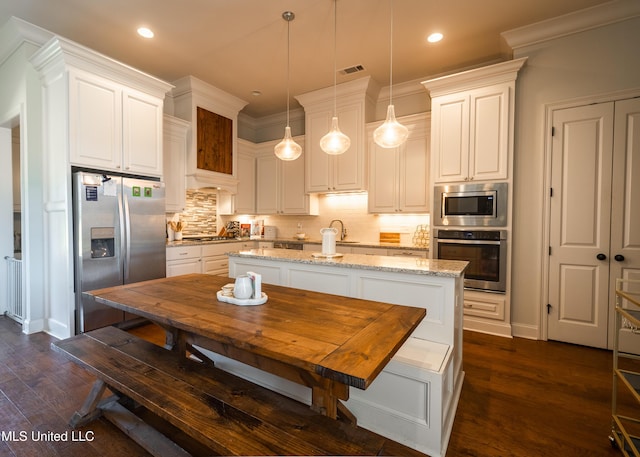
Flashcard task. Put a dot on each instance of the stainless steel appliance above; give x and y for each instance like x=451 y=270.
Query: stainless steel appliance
x=485 y=250
x=285 y=245
x=483 y=205
x=119 y=238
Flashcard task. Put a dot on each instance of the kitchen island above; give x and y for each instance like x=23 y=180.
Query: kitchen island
x=414 y=399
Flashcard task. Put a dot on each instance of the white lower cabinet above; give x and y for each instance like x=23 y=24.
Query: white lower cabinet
x=183 y=260
x=483 y=304
x=207 y=258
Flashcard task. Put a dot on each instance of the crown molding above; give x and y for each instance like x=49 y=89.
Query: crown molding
x=568 y=24
x=16 y=32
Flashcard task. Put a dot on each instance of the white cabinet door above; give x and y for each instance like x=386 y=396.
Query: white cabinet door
x=450 y=137
x=175 y=137
x=141 y=133
x=489 y=133
x=318 y=166
x=95 y=121
x=245 y=199
x=267 y=193
x=383 y=179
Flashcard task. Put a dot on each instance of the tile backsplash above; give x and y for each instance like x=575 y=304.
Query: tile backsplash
x=351 y=209
x=200 y=213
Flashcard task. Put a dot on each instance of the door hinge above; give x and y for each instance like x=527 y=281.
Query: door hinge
x=549 y=250
x=553 y=131
x=550 y=191
x=548 y=308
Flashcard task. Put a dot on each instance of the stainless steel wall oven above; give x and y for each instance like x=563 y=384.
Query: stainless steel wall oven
x=485 y=250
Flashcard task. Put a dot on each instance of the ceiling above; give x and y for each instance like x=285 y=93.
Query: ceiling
x=240 y=46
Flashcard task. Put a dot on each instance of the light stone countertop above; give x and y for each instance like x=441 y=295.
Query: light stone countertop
x=363 y=244
x=411 y=265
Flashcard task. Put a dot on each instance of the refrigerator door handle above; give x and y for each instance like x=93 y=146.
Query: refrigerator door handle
x=125 y=224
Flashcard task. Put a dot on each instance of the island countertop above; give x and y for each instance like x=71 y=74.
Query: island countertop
x=431 y=267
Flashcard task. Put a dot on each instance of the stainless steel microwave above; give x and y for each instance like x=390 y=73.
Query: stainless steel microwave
x=471 y=205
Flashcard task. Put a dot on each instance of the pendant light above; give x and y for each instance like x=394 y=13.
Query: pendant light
x=391 y=133
x=288 y=149
x=335 y=142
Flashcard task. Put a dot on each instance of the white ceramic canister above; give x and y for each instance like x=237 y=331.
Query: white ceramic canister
x=328 y=240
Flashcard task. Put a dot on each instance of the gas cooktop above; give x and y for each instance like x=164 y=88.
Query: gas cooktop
x=206 y=238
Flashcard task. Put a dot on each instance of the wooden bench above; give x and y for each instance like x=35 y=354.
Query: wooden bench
x=227 y=414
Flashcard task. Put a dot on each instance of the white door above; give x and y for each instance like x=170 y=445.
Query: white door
x=625 y=210
x=595 y=218
x=581 y=166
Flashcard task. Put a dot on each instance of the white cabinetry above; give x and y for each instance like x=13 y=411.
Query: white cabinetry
x=399 y=177
x=175 y=153
x=472 y=123
x=280 y=185
x=183 y=260
x=113 y=127
x=206 y=258
x=244 y=201
x=347 y=171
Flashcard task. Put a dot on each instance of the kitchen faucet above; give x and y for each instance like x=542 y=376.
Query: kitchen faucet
x=343 y=231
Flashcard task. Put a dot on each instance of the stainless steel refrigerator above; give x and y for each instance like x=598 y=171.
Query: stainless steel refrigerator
x=119 y=238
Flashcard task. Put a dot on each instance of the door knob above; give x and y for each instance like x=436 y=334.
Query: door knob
x=601 y=256
x=618 y=257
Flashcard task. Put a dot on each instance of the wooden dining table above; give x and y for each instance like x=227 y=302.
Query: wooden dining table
x=322 y=341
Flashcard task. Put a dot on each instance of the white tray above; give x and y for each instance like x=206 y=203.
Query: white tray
x=239 y=302
x=320 y=255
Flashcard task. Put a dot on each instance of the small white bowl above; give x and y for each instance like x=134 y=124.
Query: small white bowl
x=301 y=236
x=227 y=290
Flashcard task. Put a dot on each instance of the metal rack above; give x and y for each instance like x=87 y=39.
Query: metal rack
x=625 y=423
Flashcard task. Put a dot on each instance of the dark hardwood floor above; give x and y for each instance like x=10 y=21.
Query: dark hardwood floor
x=520 y=398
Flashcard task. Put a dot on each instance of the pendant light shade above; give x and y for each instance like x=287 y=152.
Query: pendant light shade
x=335 y=142
x=391 y=133
x=288 y=149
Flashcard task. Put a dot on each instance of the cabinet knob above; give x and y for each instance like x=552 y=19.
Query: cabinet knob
x=601 y=256
x=618 y=258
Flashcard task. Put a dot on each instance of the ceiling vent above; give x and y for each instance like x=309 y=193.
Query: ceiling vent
x=351 y=70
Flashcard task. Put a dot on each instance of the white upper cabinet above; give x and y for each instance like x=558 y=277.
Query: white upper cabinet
x=111 y=112
x=399 y=177
x=472 y=123
x=244 y=200
x=280 y=185
x=175 y=136
x=113 y=127
x=348 y=171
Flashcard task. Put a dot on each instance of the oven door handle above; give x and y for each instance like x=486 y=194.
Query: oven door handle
x=493 y=243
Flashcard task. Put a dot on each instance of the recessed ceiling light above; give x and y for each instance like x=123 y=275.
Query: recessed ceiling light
x=256 y=93
x=145 y=32
x=435 y=37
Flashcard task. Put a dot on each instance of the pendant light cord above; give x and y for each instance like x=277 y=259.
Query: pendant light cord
x=288 y=65
x=335 y=52
x=391 y=54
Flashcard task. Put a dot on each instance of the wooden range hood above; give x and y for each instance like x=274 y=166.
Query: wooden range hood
x=213 y=141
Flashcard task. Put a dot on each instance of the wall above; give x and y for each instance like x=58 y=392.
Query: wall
x=595 y=62
x=351 y=209
x=20 y=104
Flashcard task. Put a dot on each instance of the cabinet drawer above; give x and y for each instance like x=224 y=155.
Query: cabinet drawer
x=407 y=253
x=183 y=252
x=215 y=265
x=484 y=305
